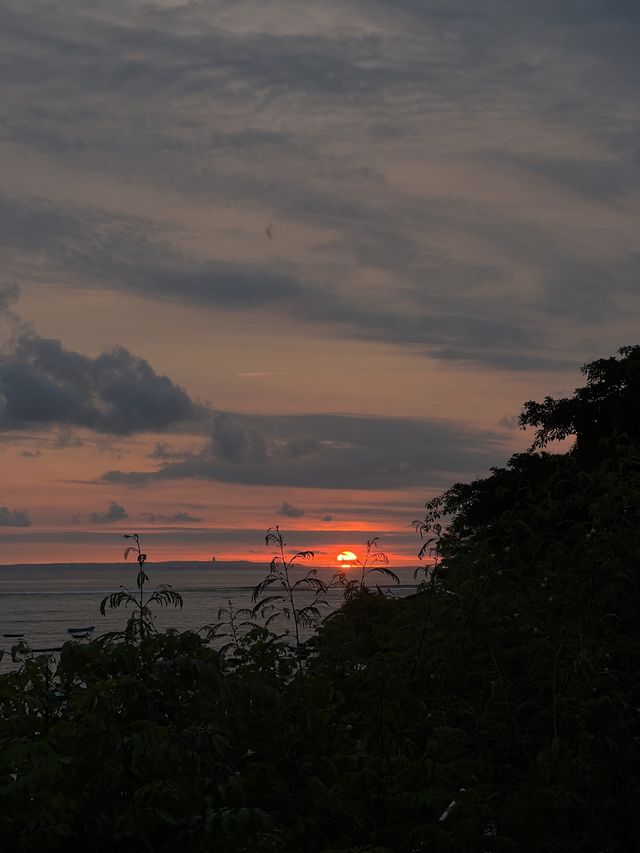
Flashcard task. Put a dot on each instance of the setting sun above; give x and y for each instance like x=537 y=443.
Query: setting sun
x=346 y=558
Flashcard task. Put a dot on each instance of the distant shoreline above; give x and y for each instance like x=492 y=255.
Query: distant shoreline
x=157 y=564
x=176 y=564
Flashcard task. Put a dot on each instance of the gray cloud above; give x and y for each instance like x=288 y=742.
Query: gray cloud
x=289 y=511
x=14 y=517
x=43 y=384
x=66 y=438
x=234 y=442
x=604 y=179
x=506 y=359
x=342 y=452
x=177 y=517
x=167 y=453
x=101 y=62
x=9 y=293
x=133 y=253
x=115 y=512
x=430 y=312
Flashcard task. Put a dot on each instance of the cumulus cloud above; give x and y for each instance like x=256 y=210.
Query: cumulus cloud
x=14 y=517
x=42 y=384
x=290 y=511
x=115 y=512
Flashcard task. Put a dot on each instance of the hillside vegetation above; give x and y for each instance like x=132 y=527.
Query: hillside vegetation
x=496 y=710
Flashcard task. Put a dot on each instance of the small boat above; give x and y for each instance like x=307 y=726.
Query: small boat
x=81 y=632
x=13 y=636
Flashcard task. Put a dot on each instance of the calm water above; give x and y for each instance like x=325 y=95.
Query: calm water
x=42 y=601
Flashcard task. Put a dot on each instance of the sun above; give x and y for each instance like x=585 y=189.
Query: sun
x=347 y=558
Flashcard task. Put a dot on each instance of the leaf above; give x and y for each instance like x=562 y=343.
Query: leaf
x=310 y=582
x=265 y=602
x=302 y=555
x=262 y=586
x=388 y=572
x=380 y=557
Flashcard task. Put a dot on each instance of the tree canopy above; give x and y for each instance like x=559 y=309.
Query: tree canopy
x=606 y=405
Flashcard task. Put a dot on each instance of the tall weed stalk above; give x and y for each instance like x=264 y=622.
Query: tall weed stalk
x=140 y=624
x=277 y=596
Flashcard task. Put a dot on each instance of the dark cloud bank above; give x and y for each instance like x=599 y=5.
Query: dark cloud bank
x=42 y=384
x=329 y=452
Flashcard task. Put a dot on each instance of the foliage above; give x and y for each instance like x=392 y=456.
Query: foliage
x=230 y=626
x=495 y=710
x=606 y=405
x=357 y=586
x=282 y=598
x=140 y=623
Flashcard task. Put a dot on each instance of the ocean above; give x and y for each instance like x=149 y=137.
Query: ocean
x=43 y=601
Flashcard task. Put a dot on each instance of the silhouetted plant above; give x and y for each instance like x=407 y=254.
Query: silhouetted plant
x=230 y=626
x=431 y=549
x=140 y=623
x=357 y=586
x=20 y=652
x=283 y=603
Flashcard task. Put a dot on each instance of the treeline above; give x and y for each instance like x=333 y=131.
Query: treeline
x=496 y=710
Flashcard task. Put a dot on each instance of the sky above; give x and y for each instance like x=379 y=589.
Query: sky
x=273 y=262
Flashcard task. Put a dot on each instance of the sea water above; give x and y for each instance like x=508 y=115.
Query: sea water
x=44 y=601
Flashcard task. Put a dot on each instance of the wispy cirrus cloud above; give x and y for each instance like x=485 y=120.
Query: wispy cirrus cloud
x=429 y=314
x=492 y=268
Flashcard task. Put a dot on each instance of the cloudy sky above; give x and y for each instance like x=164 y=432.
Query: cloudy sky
x=272 y=262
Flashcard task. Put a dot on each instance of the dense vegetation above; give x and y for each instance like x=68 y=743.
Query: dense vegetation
x=497 y=710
